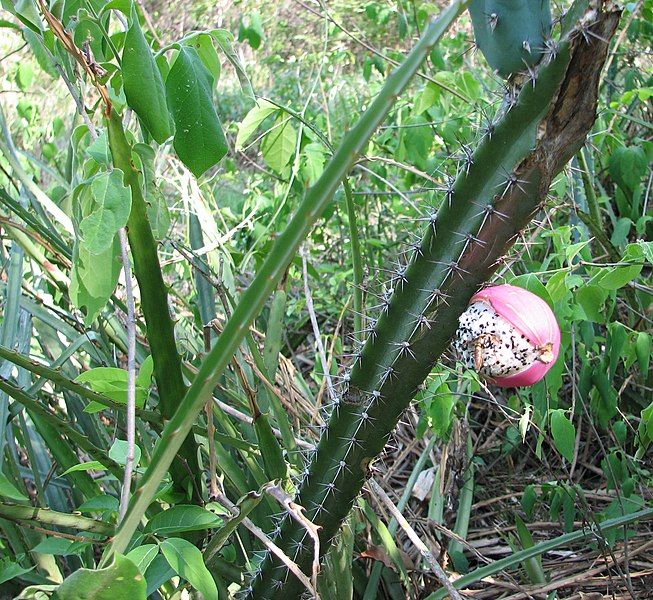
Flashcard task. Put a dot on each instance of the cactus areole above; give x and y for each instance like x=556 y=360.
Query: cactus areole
x=513 y=35
x=509 y=335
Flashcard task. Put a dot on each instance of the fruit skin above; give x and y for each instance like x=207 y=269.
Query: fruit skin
x=531 y=316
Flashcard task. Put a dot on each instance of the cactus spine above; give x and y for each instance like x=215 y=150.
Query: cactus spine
x=512 y=34
x=494 y=197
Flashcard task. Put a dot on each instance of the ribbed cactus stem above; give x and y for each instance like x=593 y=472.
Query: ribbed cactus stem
x=511 y=34
x=496 y=194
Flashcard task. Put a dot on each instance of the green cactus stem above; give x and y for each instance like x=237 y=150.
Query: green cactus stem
x=185 y=471
x=512 y=34
x=501 y=186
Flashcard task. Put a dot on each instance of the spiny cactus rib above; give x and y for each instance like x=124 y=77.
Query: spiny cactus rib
x=512 y=35
x=491 y=202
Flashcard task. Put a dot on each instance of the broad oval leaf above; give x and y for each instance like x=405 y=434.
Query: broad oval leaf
x=187 y=562
x=183 y=517
x=112 y=204
x=118 y=452
x=252 y=120
x=199 y=140
x=93 y=278
x=144 y=88
x=112 y=382
x=119 y=581
x=279 y=143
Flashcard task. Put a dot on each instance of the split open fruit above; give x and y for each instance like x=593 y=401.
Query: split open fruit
x=508 y=335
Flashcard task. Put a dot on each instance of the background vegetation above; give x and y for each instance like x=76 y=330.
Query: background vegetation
x=479 y=473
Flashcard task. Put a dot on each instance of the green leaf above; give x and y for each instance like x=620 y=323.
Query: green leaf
x=278 y=145
x=417 y=141
x=643 y=345
x=605 y=404
x=53 y=545
x=24 y=75
x=112 y=382
x=647 y=421
x=591 y=299
x=251 y=30
x=111 y=211
x=187 y=562
x=100 y=503
x=627 y=167
x=93 y=278
x=119 y=581
x=158 y=573
x=143 y=556
x=441 y=409
x=533 y=284
x=143 y=84
x=118 y=452
x=528 y=500
x=144 y=379
x=183 y=517
x=41 y=53
x=199 y=140
x=427 y=98
x=314 y=159
x=157 y=208
x=617 y=277
x=252 y=120
x=8 y=490
x=91 y=465
x=203 y=44
x=11 y=570
x=564 y=434
x=224 y=39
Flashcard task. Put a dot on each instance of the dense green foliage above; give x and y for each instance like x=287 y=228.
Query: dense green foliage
x=267 y=185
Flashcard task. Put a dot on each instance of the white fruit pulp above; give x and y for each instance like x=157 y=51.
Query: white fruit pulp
x=489 y=344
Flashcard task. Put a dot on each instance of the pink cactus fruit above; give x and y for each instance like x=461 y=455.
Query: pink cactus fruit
x=508 y=335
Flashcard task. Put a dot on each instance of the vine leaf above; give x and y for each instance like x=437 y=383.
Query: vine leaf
x=199 y=140
x=93 y=278
x=187 y=562
x=279 y=144
x=564 y=434
x=180 y=518
x=112 y=204
x=252 y=120
x=144 y=88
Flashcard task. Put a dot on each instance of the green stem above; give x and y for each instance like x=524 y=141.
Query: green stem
x=56 y=377
x=356 y=260
x=538 y=549
x=29 y=514
x=590 y=194
x=185 y=472
x=79 y=439
x=282 y=252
